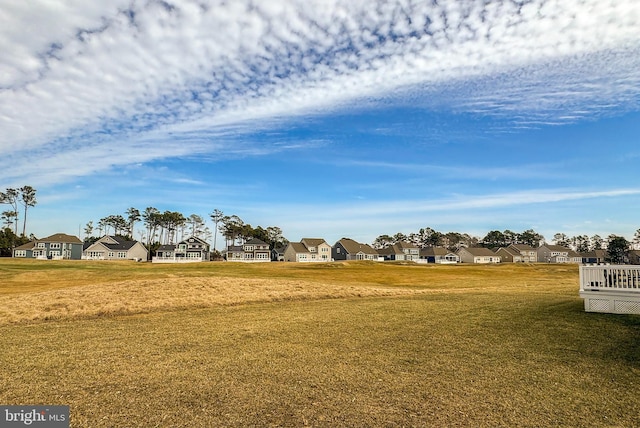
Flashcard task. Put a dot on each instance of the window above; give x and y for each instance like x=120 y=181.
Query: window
x=262 y=256
x=112 y=254
x=324 y=250
x=20 y=253
x=55 y=246
x=248 y=248
x=40 y=245
x=312 y=249
x=122 y=254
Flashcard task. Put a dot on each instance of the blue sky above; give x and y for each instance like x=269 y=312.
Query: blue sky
x=326 y=118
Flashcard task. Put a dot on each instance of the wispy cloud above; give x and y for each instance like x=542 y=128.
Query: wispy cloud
x=113 y=83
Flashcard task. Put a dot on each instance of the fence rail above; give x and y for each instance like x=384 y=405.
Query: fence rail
x=610 y=288
x=609 y=278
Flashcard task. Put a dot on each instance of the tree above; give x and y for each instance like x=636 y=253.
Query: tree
x=9 y=218
x=617 y=249
x=382 y=241
x=561 y=239
x=275 y=237
x=28 y=199
x=133 y=215
x=494 y=239
x=531 y=238
x=582 y=243
x=10 y=197
x=196 y=225
x=150 y=217
x=231 y=228
x=88 y=230
x=216 y=217
x=596 y=242
x=636 y=240
x=9 y=240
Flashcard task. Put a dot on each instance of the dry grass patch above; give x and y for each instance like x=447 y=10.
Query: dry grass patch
x=143 y=296
x=426 y=360
x=340 y=344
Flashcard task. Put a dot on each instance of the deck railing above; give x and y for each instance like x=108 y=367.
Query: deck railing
x=609 y=278
x=610 y=288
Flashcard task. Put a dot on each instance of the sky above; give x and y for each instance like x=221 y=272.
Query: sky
x=326 y=118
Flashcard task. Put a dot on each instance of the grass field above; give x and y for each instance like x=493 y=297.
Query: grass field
x=339 y=344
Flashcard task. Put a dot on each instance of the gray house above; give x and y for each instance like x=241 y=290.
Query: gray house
x=348 y=249
x=55 y=247
x=254 y=250
x=192 y=249
x=400 y=251
x=439 y=255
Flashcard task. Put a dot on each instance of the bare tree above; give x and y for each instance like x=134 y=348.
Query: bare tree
x=10 y=197
x=217 y=216
x=28 y=198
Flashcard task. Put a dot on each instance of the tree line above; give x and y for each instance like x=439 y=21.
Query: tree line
x=169 y=227
x=428 y=237
x=21 y=197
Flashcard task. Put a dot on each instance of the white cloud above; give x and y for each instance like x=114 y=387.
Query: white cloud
x=100 y=73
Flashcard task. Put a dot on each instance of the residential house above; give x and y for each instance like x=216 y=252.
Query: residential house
x=308 y=250
x=439 y=255
x=518 y=253
x=114 y=248
x=192 y=249
x=400 y=251
x=55 y=247
x=509 y=255
x=594 y=257
x=348 y=249
x=254 y=250
x=634 y=257
x=277 y=253
x=557 y=254
x=478 y=255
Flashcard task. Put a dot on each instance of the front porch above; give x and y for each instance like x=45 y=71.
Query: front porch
x=610 y=288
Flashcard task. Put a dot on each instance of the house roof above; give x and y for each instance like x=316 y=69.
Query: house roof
x=479 y=251
x=509 y=250
x=61 y=237
x=313 y=242
x=353 y=247
x=386 y=251
x=405 y=245
x=298 y=247
x=255 y=241
x=557 y=248
x=166 y=247
x=434 y=251
x=27 y=246
x=186 y=241
x=522 y=247
x=601 y=254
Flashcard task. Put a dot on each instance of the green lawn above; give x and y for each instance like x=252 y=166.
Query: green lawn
x=469 y=346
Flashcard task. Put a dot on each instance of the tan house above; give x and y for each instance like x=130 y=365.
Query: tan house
x=115 y=248
x=308 y=250
x=557 y=254
x=518 y=253
x=478 y=255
